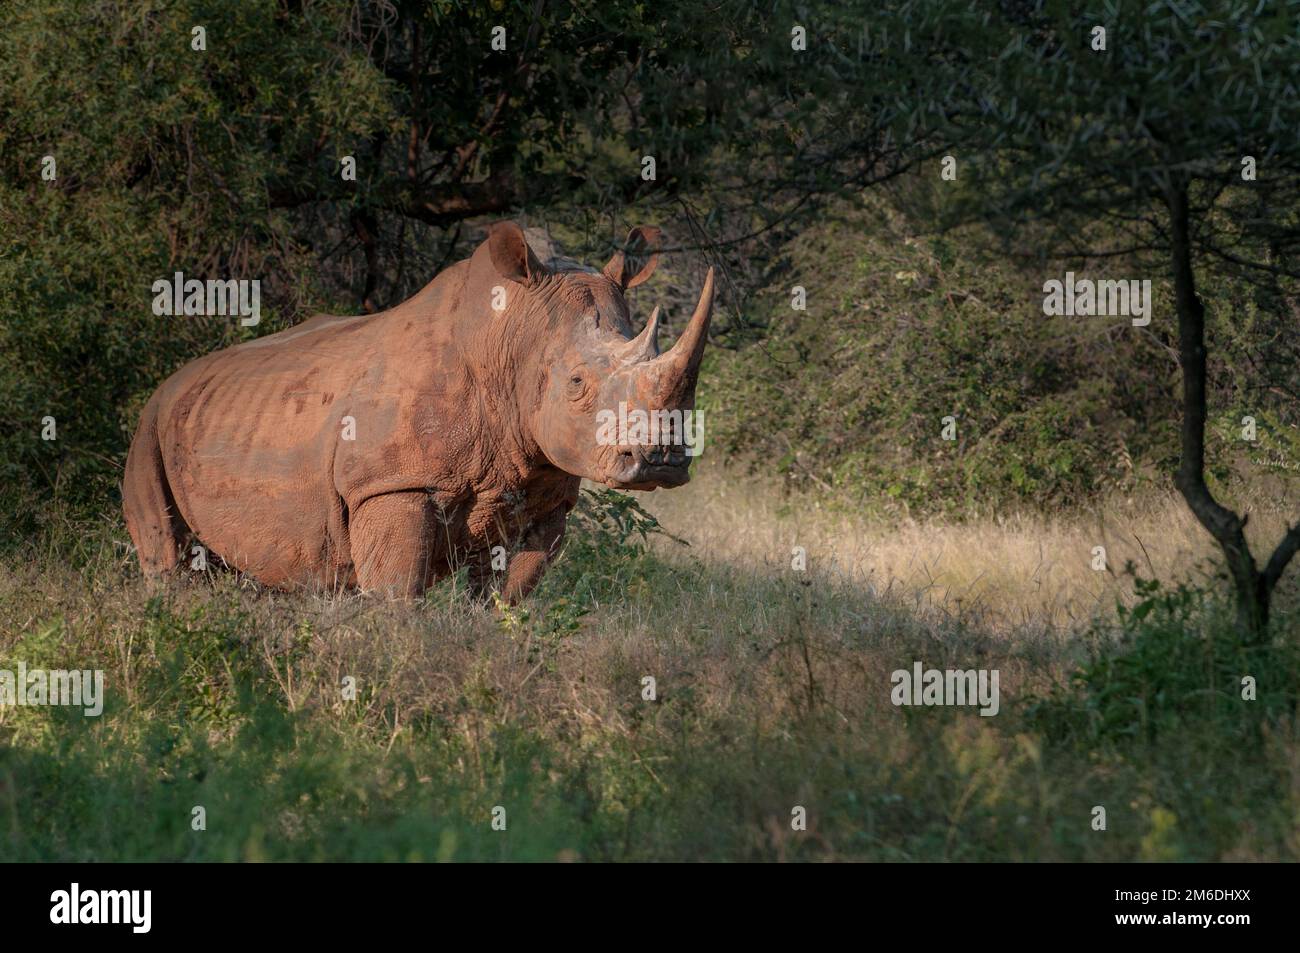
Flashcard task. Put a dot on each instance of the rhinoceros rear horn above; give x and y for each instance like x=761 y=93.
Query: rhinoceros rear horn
x=511 y=256
x=677 y=370
x=645 y=346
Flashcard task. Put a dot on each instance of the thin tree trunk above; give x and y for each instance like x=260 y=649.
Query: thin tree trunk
x=1253 y=588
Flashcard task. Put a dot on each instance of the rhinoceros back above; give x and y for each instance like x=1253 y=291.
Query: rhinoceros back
x=248 y=436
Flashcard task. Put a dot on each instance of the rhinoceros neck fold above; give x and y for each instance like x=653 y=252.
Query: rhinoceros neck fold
x=505 y=354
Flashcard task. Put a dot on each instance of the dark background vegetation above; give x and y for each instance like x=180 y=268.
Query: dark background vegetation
x=226 y=163
x=818 y=169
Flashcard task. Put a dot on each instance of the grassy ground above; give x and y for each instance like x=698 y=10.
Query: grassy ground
x=1006 y=570
x=772 y=691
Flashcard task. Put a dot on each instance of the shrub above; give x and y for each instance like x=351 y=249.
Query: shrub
x=1178 y=665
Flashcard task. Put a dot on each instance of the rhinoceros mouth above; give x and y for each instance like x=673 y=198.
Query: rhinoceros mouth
x=648 y=467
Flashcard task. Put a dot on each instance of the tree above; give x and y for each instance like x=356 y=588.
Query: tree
x=1171 y=126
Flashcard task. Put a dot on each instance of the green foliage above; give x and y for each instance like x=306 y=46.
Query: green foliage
x=1088 y=153
x=1177 y=666
x=207 y=671
x=902 y=331
x=232 y=704
x=606 y=555
x=605 y=559
x=225 y=163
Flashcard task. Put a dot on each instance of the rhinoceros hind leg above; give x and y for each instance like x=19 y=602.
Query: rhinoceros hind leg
x=156 y=526
x=391 y=537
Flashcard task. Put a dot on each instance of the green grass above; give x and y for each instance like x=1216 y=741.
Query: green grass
x=772 y=692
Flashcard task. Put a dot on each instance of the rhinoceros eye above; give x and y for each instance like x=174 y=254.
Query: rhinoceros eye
x=577 y=386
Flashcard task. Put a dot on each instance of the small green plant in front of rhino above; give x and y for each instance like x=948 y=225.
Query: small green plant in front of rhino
x=605 y=557
x=606 y=551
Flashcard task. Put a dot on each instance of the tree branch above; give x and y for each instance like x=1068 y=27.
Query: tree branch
x=1289 y=546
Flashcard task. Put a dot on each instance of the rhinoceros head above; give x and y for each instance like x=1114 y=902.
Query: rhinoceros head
x=598 y=385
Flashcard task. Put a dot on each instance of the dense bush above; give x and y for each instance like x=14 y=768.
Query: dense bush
x=1179 y=665
x=904 y=328
x=225 y=164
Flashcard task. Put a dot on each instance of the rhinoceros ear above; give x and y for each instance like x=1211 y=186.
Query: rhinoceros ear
x=637 y=261
x=511 y=255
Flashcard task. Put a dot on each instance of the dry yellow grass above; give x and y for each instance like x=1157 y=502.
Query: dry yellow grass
x=773 y=689
x=1015 y=570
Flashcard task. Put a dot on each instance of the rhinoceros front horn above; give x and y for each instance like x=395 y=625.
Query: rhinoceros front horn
x=674 y=373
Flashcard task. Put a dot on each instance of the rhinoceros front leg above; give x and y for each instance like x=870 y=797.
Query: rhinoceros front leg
x=391 y=540
x=536 y=547
x=539 y=546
